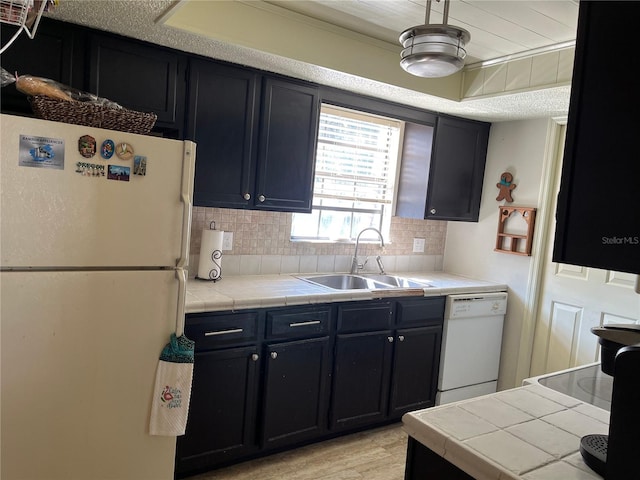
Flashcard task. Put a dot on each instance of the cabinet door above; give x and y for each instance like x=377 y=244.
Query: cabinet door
x=222 y=410
x=361 y=379
x=598 y=219
x=221 y=119
x=295 y=391
x=288 y=131
x=53 y=53
x=140 y=77
x=415 y=369
x=457 y=169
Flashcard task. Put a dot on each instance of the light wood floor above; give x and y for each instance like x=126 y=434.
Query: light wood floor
x=377 y=454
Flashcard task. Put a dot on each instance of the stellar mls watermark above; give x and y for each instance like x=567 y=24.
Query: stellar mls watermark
x=621 y=240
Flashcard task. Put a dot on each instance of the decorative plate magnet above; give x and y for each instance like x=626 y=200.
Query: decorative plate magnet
x=107 y=149
x=505 y=186
x=139 y=165
x=124 y=151
x=87 y=146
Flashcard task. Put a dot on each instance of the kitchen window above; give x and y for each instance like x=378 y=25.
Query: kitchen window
x=356 y=163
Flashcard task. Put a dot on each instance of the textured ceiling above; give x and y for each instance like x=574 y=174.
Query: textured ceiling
x=137 y=19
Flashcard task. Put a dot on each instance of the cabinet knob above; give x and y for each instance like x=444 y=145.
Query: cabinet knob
x=401 y=338
x=274 y=355
x=432 y=211
x=262 y=198
x=255 y=357
x=390 y=339
x=247 y=196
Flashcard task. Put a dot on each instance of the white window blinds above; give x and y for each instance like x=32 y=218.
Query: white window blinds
x=356 y=157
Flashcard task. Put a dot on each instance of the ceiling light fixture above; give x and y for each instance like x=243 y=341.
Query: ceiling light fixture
x=435 y=50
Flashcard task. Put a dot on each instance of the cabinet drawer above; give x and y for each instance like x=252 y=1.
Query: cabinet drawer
x=420 y=311
x=222 y=330
x=364 y=316
x=298 y=323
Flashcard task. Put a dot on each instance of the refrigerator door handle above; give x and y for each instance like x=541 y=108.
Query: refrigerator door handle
x=181 y=275
x=188 y=167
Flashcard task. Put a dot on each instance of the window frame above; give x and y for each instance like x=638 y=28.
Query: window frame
x=387 y=208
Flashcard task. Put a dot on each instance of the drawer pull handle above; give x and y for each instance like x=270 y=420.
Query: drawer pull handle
x=223 y=332
x=401 y=338
x=304 y=324
x=255 y=357
x=274 y=355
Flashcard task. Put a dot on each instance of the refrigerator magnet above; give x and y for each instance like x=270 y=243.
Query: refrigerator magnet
x=87 y=146
x=107 y=149
x=124 y=151
x=139 y=165
x=118 y=172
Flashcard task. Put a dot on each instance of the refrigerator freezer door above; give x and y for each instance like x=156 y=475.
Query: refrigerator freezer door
x=53 y=217
x=79 y=354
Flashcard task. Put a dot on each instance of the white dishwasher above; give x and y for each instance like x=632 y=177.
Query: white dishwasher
x=471 y=345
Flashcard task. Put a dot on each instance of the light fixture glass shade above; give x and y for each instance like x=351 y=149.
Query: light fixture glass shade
x=433 y=50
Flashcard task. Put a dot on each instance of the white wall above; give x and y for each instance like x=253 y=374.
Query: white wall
x=517 y=147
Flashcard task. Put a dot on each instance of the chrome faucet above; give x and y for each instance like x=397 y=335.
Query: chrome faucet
x=355 y=266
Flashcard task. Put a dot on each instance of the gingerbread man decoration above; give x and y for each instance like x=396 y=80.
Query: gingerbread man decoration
x=505 y=186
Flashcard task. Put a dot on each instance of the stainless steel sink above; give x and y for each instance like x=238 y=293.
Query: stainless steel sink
x=399 y=282
x=339 y=281
x=346 y=282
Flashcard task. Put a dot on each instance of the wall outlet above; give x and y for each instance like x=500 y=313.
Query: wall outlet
x=227 y=241
x=418 y=245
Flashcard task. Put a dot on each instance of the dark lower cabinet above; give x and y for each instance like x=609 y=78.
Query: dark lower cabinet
x=360 y=390
x=380 y=375
x=416 y=362
x=222 y=410
x=423 y=463
x=269 y=379
x=295 y=391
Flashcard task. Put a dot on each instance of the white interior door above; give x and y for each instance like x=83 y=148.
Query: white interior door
x=79 y=352
x=572 y=300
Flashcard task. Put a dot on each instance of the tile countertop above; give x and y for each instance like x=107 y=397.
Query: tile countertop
x=255 y=291
x=530 y=433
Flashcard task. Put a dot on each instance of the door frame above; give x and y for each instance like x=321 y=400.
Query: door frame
x=545 y=218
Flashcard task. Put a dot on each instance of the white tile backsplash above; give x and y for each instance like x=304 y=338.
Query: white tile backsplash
x=292 y=264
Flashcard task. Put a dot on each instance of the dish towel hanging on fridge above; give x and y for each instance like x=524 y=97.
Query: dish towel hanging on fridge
x=172 y=389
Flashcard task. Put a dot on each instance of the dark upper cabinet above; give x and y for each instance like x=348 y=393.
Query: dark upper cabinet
x=256 y=138
x=287 y=146
x=55 y=53
x=139 y=77
x=457 y=169
x=442 y=169
x=598 y=213
x=223 y=103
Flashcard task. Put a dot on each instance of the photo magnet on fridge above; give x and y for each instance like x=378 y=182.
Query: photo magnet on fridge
x=117 y=172
x=139 y=165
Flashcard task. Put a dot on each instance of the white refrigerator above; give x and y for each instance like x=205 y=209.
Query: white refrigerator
x=94 y=251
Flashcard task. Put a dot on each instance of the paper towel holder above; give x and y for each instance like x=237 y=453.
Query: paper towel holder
x=214 y=272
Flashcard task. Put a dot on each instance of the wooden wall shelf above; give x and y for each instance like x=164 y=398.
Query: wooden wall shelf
x=514 y=241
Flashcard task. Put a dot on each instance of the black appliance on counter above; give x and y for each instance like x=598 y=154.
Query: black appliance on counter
x=614 y=456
